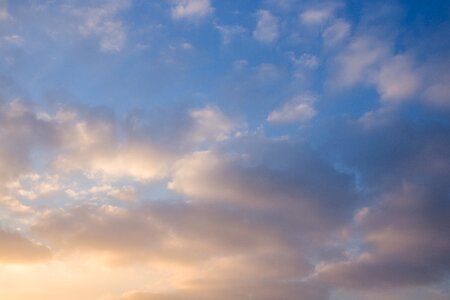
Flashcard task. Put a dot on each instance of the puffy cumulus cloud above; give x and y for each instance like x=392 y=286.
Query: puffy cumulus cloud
x=49 y=157
x=210 y=124
x=32 y=185
x=93 y=141
x=191 y=9
x=267 y=28
x=89 y=142
x=139 y=162
x=372 y=58
x=398 y=78
x=359 y=60
x=17 y=249
x=299 y=109
x=369 y=60
x=102 y=22
x=45 y=153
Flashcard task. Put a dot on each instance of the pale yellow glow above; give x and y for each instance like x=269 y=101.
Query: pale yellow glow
x=80 y=278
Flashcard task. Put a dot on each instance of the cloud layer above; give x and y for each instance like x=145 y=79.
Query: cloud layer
x=196 y=149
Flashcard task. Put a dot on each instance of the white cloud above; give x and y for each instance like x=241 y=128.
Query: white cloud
x=12 y=40
x=336 y=32
x=360 y=58
x=316 y=16
x=398 y=79
x=102 y=22
x=229 y=31
x=371 y=61
x=299 y=109
x=267 y=29
x=186 y=46
x=305 y=60
x=191 y=9
x=209 y=124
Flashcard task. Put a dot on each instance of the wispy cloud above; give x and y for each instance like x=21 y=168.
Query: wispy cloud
x=299 y=109
x=101 y=22
x=191 y=9
x=267 y=28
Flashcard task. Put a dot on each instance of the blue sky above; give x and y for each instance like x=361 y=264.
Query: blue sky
x=204 y=149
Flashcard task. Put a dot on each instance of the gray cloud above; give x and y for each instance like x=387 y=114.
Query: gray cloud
x=404 y=226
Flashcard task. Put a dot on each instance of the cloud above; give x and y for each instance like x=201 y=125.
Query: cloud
x=294 y=209
x=94 y=142
x=266 y=30
x=251 y=181
x=436 y=75
x=22 y=132
x=210 y=124
x=229 y=31
x=191 y=9
x=406 y=238
x=266 y=72
x=16 y=249
x=11 y=40
x=102 y=22
x=176 y=200
x=117 y=234
x=336 y=32
x=438 y=93
x=265 y=188
x=4 y=15
x=316 y=16
x=308 y=61
x=299 y=109
x=89 y=142
x=77 y=139
x=398 y=79
x=369 y=60
x=402 y=232
x=360 y=60
x=212 y=290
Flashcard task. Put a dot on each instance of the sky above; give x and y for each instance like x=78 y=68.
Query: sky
x=216 y=150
